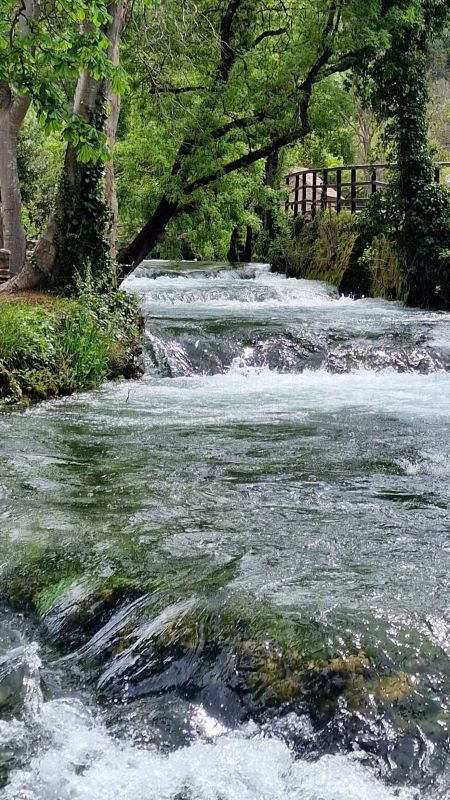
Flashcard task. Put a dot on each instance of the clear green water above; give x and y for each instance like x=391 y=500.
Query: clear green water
x=240 y=562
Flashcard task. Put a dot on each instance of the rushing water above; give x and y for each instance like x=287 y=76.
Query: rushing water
x=229 y=580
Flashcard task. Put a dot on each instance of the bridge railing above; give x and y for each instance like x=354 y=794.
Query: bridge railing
x=339 y=188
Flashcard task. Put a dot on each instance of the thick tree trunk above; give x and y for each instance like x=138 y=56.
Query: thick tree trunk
x=110 y=180
x=247 y=252
x=233 y=251
x=1 y=221
x=149 y=236
x=113 y=105
x=45 y=252
x=90 y=97
x=12 y=114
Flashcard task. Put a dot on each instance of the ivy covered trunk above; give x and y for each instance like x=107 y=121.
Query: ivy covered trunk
x=424 y=238
x=75 y=246
x=416 y=210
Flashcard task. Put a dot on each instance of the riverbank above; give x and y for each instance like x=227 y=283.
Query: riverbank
x=332 y=248
x=52 y=346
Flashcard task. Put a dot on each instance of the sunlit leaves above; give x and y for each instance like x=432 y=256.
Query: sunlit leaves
x=43 y=57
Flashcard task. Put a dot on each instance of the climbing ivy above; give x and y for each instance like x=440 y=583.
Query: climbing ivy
x=415 y=212
x=83 y=223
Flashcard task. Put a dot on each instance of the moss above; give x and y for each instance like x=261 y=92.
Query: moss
x=25 y=581
x=393 y=688
x=330 y=248
x=10 y=391
x=46 y=598
x=354 y=664
x=387 y=278
x=38 y=384
x=58 y=346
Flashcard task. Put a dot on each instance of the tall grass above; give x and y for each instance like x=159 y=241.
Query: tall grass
x=28 y=336
x=84 y=350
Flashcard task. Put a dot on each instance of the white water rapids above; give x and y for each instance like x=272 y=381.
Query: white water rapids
x=305 y=436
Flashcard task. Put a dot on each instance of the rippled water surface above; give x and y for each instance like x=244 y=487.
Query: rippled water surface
x=230 y=580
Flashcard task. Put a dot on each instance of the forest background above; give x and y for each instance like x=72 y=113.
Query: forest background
x=190 y=114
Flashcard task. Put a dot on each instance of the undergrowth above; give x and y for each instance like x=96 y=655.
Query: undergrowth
x=66 y=346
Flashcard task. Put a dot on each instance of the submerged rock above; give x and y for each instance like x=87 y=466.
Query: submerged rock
x=17 y=668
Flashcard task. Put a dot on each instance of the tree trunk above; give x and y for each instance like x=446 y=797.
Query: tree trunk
x=233 y=251
x=149 y=236
x=90 y=98
x=113 y=105
x=110 y=181
x=247 y=252
x=12 y=114
x=271 y=182
x=1 y=222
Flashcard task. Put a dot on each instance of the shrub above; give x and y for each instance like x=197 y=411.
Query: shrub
x=27 y=335
x=67 y=346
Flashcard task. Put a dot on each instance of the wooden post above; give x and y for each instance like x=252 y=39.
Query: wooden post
x=374 y=181
x=324 y=197
x=304 y=185
x=353 y=191
x=297 y=186
x=437 y=175
x=339 y=191
x=314 y=195
x=288 y=184
x=4 y=266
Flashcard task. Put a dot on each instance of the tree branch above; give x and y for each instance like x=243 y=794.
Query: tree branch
x=266 y=34
x=227 y=52
x=176 y=89
x=245 y=160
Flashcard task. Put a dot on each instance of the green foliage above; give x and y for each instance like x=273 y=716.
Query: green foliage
x=84 y=350
x=66 y=345
x=215 y=106
x=414 y=213
x=386 y=277
x=42 y=54
x=331 y=248
x=321 y=249
x=40 y=161
x=27 y=336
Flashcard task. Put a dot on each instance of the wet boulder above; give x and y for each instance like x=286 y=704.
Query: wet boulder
x=73 y=610
x=14 y=672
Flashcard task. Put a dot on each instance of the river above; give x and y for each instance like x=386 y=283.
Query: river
x=230 y=579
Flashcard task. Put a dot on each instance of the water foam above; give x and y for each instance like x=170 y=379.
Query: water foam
x=83 y=762
x=263 y=395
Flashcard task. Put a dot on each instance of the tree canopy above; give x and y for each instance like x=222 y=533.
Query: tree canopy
x=217 y=100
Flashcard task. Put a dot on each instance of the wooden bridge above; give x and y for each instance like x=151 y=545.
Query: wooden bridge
x=339 y=188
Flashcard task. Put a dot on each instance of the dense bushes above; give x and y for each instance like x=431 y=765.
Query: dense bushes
x=61 y=346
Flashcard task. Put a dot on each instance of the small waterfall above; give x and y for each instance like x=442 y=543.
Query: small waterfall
x=229 y=580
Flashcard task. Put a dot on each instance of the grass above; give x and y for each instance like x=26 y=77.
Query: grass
x=51 y=346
